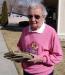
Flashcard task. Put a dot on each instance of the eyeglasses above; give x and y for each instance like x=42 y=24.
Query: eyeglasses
x=36 y=16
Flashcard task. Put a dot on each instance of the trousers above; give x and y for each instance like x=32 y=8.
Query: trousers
x=25 y=73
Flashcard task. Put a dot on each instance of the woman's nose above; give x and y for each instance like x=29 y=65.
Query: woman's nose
x=33 y=18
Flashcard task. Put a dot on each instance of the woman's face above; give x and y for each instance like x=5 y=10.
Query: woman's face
x=35 y=17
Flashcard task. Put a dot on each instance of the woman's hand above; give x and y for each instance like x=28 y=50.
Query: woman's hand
x=35 y=59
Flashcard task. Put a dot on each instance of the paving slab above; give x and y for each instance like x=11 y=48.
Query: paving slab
x=7 y=67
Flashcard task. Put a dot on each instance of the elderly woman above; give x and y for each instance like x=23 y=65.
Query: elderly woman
x=41 y=41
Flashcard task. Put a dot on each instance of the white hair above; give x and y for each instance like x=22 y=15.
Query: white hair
x=38 y=4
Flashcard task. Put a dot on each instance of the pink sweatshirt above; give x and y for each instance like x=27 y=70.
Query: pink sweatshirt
x=46 y=45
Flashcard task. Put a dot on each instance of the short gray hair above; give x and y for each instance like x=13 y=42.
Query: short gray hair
x=42 y=7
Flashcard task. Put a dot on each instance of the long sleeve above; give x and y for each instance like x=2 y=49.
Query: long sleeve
x=19 y=44
x=55 y=55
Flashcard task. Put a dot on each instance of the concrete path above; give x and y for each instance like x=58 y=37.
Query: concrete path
x=7 y=67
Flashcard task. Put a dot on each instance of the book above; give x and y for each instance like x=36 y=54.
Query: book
x=18 y=56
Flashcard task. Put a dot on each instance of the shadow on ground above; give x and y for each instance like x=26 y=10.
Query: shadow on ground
x=12 y=28
x=15 y=27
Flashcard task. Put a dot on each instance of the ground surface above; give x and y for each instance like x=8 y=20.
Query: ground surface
x=12 y=36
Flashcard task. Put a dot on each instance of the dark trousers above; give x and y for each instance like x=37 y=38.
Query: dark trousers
x=25 y=73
